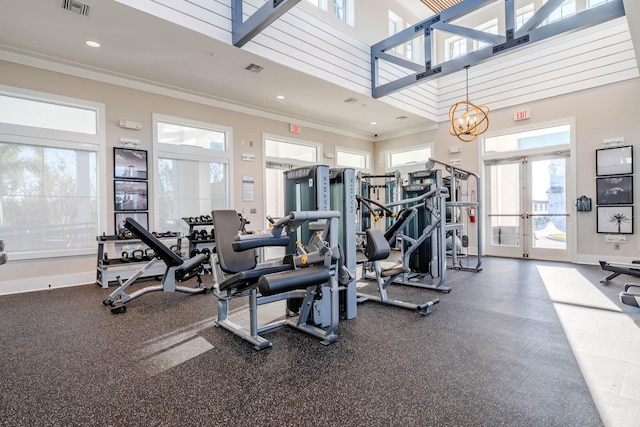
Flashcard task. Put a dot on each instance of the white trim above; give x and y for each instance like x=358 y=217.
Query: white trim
x=159 y=89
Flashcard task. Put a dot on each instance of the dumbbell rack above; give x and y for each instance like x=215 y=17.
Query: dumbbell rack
x=108 y=271
x=199 y=234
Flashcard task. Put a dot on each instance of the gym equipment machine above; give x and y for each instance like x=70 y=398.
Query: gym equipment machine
x=317 y=188
x=428 y=235
x=178 y=270
x=342 y=184
x=311 y=274
x=377 y=249
x=369 y=187
x=467 y=200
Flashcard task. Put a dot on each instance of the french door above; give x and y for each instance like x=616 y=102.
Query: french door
x=527 y=206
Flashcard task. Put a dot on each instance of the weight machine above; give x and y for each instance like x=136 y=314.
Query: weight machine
x=461 y=199
x=309 y=275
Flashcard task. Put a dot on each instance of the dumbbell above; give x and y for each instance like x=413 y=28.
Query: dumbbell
x=204 y=235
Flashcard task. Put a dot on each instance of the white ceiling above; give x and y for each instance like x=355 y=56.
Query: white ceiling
x=141 y=47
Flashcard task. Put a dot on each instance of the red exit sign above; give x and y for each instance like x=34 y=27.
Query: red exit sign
x=294 y=128
x=521 y=115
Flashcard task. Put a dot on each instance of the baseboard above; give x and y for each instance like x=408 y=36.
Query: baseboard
x=45 y=283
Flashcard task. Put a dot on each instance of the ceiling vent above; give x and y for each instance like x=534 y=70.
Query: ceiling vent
x=76 y=7
x=350 y=100
x=254 y=68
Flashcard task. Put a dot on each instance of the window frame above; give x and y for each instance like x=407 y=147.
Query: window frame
x=55 y=138
x=190 y=153
x=366 y=154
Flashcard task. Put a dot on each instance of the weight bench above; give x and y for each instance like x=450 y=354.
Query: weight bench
x=617 y=269
x=178 y=270
x=237 y=274
x=376 y=250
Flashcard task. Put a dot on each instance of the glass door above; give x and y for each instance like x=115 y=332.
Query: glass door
x=504 y=207
x=546 y=215
x=527 y=209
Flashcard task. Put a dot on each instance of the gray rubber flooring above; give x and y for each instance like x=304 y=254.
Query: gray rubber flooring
x=492 y=353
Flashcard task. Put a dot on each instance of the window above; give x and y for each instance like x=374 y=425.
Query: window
x=538 y=138
x=490 y=27
x=456 y=47
x=409 y=159
x=294 y=151
x=567 y=8
x=523 y=14
x=320 y=4
x=594 y=3
x=51 y=151
x=193 y=170
x=46 y=115
x=395 y=25
x=411 y=156
x=347 y=158
x=340 y=9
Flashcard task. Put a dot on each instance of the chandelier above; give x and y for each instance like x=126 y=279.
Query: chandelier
x=467 y=119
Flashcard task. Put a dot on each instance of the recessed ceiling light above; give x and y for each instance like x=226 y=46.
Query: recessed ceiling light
x=280 y=97
x=374 y=123
x=92 y=43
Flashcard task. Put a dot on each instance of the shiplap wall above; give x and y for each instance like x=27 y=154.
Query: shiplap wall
x=305 y=42
x=586 y=59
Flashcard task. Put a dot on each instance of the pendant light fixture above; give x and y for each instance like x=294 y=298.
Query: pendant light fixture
x=467 y=119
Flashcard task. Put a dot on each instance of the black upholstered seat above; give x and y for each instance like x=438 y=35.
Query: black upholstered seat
x=243 y=265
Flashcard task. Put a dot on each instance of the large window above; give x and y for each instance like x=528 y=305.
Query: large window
x=50 y=187
x=193 y=170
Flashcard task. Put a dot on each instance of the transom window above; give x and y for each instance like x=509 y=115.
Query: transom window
x=348 y=158
x=282 y=149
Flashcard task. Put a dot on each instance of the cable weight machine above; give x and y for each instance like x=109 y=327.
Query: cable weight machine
x=469 y=202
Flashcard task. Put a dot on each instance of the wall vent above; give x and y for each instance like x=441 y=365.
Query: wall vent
x=76 y=7
x=254 y=68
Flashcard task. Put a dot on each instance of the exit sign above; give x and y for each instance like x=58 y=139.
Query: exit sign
x=521 y=115
x=294 y=128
